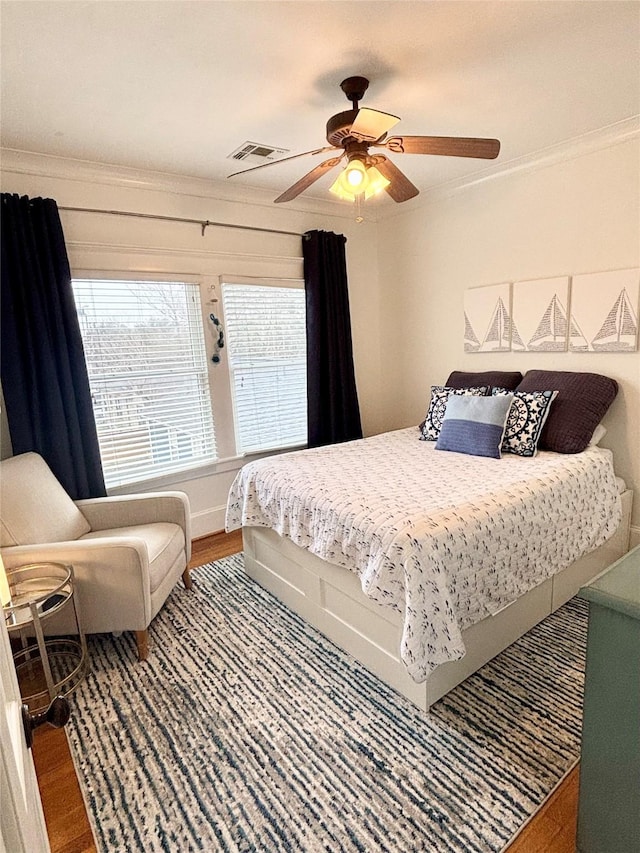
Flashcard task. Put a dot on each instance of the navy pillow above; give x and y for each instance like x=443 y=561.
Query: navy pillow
x=508 y=379
x=582 y=401
x=475 y=425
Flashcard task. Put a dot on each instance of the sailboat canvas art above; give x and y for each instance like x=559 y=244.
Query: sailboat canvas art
x=620 y=329
x=471 y=343
x=487 y=318
x=540 y=318
x=604 y=311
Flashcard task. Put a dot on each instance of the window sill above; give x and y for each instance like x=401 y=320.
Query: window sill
x=175 y=478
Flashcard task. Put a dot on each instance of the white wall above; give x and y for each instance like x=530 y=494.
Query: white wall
x=574 y=216
x=103 y=243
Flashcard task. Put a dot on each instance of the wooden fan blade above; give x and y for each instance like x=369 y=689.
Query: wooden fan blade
x=284 y=160
x=370 y=125
x=446 y=146
x=308 y=179
x=400 y=188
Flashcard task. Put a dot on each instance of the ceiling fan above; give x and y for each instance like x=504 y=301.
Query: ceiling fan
x=353 y=132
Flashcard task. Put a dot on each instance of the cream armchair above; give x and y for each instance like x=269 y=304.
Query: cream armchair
x=127 y=552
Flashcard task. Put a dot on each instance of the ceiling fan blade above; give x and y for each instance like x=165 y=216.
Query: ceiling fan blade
x=370 y=125
x=400 y=188
x=447 y=146
x=284 y=160
x=308 y=179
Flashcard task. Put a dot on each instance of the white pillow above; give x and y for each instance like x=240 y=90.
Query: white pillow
x=598 y=434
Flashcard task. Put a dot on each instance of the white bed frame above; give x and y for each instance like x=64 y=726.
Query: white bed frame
x=331 y=599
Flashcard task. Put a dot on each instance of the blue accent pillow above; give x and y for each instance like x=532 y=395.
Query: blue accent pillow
x=475 y=425
x=430 y=427
x=528 y=414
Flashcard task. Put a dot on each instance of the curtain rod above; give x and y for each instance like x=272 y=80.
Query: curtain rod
x=203 y=223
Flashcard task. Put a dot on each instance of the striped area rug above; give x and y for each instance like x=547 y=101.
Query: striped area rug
x=246 y=730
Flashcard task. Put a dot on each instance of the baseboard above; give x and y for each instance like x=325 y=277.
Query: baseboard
x=207 y=521
x=634 y=537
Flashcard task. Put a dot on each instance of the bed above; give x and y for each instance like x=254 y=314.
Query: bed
x=425 y=564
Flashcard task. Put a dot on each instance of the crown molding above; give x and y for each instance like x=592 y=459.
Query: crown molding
x=15 y=161
x=571 y=149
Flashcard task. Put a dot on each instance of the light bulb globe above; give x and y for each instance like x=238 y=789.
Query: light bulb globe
x=355 y=175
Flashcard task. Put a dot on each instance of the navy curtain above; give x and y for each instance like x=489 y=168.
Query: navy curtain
x=332 y=398
x=43 y=369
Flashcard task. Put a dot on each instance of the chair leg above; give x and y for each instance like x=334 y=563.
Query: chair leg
x=142 y=641
x=186 y=577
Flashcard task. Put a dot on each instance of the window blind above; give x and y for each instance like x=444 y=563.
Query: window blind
x=266 y=340
x=147 y=365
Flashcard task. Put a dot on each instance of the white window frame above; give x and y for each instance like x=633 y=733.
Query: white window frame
x=210 y=285
x=187 y=470
x=257 y=281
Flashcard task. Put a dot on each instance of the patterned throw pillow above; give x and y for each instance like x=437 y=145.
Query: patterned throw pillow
x=439 y=398
x=475 y=425
x=528 y=413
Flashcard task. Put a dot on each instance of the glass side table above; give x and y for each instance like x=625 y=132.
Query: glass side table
x=53 y=665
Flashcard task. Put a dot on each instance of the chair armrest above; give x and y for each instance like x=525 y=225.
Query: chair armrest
x=112 y=579
x=124 y=510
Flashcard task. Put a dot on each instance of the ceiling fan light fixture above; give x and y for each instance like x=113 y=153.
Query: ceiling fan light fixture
x=352 y=180
x=376 y=183
x=357 y=181
x=338 y=188
x=354 y=176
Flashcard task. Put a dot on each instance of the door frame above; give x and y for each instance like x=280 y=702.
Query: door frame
x=22 y=824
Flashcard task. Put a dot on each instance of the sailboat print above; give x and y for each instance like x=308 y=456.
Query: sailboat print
x=619 y=331
x=498 y=337
x=551 y=333
x=577 y=341
x=471 y=342
x=516 y=341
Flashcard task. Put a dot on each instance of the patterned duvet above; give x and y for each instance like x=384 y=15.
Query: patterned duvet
x=444 y=538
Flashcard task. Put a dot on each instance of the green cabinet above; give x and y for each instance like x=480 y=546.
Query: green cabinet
x=609 y=804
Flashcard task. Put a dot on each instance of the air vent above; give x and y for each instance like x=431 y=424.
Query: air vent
x=255 y=152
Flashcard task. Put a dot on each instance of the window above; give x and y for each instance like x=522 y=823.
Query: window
x=266 y=340
x=147 y=365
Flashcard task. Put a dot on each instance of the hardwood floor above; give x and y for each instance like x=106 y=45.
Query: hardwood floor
x=64 y=810
x=552 y=830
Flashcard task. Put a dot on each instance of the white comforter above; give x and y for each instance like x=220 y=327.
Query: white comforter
x=444 y=538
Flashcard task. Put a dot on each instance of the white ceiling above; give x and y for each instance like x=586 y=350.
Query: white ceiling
x=176 y=85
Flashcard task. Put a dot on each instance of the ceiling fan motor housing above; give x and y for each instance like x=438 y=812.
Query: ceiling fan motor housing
x=339 y=127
